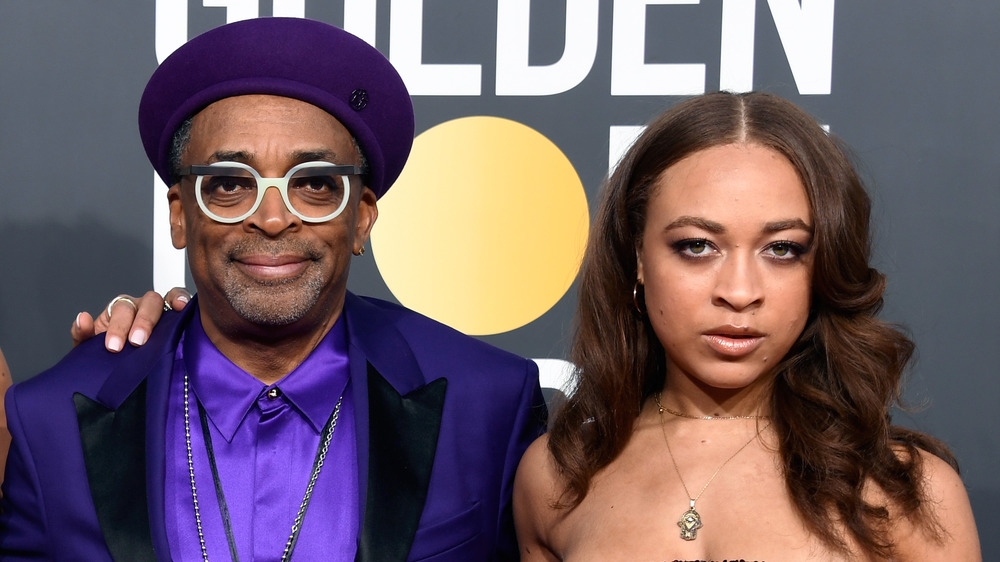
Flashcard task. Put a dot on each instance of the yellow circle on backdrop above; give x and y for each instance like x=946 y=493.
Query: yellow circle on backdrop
x=485 y=228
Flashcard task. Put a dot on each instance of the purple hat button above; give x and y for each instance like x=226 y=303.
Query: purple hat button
x=359 y=99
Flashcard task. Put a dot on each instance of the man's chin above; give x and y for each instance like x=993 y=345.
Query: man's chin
x=271 y=306
x=268 y=318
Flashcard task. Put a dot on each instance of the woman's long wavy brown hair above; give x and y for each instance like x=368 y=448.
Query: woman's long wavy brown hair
x=830 y=395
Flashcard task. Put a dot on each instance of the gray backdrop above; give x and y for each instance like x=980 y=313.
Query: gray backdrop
x=912 y=89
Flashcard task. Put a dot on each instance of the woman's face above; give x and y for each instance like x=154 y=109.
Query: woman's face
x=726 y=263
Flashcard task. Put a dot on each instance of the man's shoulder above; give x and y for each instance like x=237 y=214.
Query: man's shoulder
x=395 y=313
x=42 y=407
x=87 y=367
x=82 y=369
x=429 y=336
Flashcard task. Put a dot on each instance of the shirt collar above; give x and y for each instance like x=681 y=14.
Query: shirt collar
x=228 y=392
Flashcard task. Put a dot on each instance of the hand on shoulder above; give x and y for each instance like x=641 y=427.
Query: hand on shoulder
x=127 y=318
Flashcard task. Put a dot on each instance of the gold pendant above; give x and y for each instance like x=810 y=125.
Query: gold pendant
x=689 y=523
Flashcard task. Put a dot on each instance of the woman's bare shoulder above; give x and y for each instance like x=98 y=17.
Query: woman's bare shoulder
x=5 y=382
x=4 y=373
x=951 y=531
x=537 y=488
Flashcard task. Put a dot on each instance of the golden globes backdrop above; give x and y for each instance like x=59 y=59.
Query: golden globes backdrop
x=522 y=107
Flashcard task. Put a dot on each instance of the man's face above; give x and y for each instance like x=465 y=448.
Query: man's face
x=271 y=272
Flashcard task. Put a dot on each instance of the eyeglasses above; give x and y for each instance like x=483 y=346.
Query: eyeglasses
x=229 y=192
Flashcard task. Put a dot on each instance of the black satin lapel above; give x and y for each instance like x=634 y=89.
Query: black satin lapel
x=115 y=454
x=403 y=434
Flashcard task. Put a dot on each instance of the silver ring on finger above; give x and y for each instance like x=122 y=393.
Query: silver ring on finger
x=121 y=298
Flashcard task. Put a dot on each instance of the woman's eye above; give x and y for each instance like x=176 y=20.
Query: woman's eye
x=785 y=250
x=692 y=248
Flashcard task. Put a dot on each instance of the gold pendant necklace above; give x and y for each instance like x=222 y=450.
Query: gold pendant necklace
x=690 y=520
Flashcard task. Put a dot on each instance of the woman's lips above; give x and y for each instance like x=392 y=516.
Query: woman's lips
x=734 y=342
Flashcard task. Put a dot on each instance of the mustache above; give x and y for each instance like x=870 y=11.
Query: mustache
x=273 y=248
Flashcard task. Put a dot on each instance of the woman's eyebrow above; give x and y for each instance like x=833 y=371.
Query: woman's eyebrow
x=718 y=228
x=787 y=224
x=699 y=222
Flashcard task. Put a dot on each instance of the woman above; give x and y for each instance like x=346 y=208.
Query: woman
x=734 y=383
x=5 y=382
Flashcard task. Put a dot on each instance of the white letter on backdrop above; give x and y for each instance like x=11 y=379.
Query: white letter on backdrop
x=405 y=47
x=806 y=34
x=360 y=19
x=556 y=374
x=171 y=27
x=630 y=75
x=736 y=61
x=621 y=138
x=172 y=15
x=289 y=8
x=516 y=78
x=359 y=15
x=236 y=10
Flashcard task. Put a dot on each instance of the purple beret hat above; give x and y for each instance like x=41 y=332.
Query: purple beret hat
x=292 y=57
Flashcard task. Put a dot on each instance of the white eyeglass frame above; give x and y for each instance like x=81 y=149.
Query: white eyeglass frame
x=281 y=184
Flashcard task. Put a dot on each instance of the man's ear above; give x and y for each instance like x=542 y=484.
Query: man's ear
x=367 y=214
x=178 y=230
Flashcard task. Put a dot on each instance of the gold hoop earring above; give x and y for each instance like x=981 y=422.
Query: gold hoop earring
x=635 y=298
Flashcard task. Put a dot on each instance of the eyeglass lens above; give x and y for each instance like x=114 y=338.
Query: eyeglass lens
x=313 y=192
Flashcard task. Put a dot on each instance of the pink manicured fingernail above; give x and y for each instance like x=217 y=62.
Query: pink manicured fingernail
x=77 y=321
x=183 y=298
x=115 y=343
x=138 y=337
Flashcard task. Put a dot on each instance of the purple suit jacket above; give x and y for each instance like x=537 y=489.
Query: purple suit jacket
x=442 y=420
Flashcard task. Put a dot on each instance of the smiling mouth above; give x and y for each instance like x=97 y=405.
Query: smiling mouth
x=270 y=269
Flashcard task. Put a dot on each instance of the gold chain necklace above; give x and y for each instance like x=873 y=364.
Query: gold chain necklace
x=690 y=520
x=693 y=417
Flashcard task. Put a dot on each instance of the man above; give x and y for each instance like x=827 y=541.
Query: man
x=278 y=414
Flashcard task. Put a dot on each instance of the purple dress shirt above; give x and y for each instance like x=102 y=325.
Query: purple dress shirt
x=265 y=440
